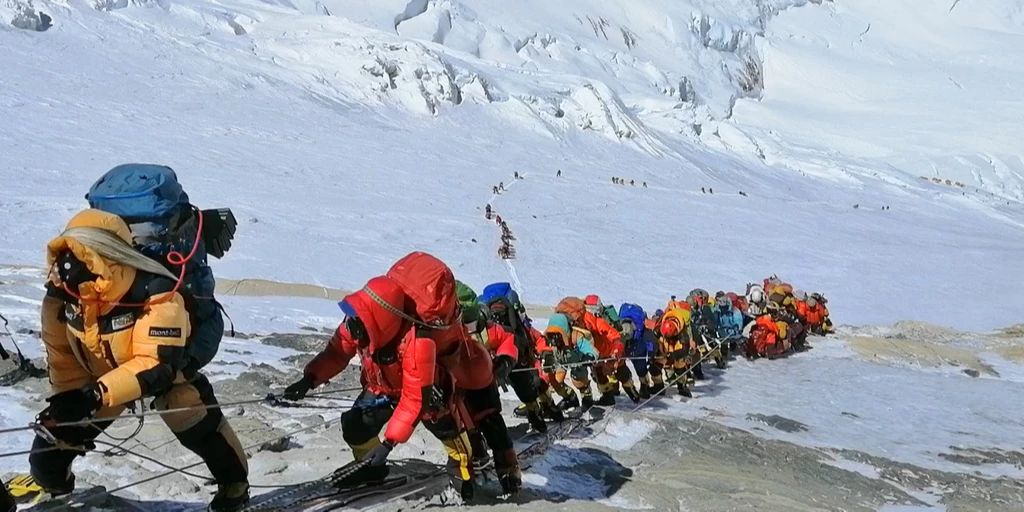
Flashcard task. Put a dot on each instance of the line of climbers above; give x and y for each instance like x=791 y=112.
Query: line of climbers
x=506 y=250
x=129 y=313
x=623 y=181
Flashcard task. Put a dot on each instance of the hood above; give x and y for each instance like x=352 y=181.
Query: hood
x=383 y=326
x=430 y=285
x=573 y=308
x=114 y=278
x=636 y=315
x=679 y=315
x=464 y=293
x=559 y=323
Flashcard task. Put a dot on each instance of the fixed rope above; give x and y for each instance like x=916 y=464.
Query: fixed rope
x=269 y=399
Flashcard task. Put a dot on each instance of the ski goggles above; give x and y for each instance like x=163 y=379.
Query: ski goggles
x=500 y=314
x=555 y=339
x=354 y=325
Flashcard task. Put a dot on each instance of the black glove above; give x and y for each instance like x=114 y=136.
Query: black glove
x=378 y=456
x=218 y=231
x=502 y=370
x=74 y=405
x=548 y=361
x=191 y=369
x=298 y=390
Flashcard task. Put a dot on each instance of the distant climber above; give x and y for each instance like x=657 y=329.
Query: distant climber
x=558 y=174
x=487 y=212
x=703 y=191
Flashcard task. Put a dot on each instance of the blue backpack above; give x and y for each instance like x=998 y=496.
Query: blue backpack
x=152 y=202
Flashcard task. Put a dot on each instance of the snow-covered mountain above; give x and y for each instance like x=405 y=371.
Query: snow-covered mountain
x=867 y=149
x=351 y=128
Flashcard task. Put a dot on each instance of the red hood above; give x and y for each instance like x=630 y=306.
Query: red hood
x=383 y=326
x=430 y=286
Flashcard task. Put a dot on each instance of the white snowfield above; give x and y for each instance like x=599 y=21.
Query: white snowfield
x=870 y=150
x=345 y=134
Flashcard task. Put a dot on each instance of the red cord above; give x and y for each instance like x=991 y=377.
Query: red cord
x=173 y=257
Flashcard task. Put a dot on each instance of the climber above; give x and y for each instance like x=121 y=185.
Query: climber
x=728 y=318
x=676 y=349
x=565 y=350
x=755 y=302
x=702 y=328
x=640 y=346
x=116 y=330
x=505 y=315
x=418 y=365
x=768 y=334
x=610 y=349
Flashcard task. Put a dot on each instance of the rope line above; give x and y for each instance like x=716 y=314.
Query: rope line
x=267 y=399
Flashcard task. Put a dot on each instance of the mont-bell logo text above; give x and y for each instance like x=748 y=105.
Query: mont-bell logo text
x=165 y=332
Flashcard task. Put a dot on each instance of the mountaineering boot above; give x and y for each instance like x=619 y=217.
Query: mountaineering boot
x=588 y=402
x=632 y=394
x=230 y=497
x=683 y=389
x=551 y=412
x=366 y=473
x=506 y=465
x=26 y=489
x=613 y=384
x=460 y=457
x=510 y=484
x=570 y=402
x=606 y=399
x=657 y=388
x=520 y=412
x=465 y=488
x=645 y=390
x=698 y=371
x=7 y=501
x=536 y=421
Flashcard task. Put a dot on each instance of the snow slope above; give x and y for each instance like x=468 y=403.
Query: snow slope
x=921 y=87
x=345 y=134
